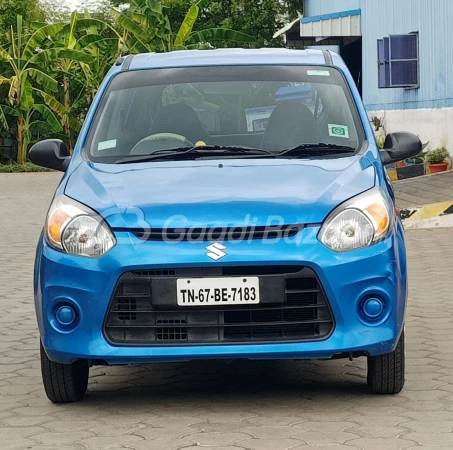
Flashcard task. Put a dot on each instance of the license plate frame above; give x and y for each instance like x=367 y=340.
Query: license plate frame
x=215 y=292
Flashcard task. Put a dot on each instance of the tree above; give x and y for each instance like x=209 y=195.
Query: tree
x=147 y=28
x=30 y=10
x=82 y=37
x=24 y=58
x=259 y=19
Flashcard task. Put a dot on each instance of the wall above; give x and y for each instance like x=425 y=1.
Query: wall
x=317 y=7
x=432 y=19
x=431 y=125
x=380 y=18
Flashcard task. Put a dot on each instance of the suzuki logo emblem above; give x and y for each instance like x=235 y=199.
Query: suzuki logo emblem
x=216 y=251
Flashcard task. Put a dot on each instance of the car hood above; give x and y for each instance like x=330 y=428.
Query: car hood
x=219 y=193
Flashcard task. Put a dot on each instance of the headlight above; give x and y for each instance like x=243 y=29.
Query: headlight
x=360 y=222
x=76 y=229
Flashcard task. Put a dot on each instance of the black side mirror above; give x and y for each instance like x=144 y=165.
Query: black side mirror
x=399 y=146
x=51 y=153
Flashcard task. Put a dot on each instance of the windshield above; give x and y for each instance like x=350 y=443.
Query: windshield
x=272 y=108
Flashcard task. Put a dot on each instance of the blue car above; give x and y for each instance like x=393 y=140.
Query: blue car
x=222 y=204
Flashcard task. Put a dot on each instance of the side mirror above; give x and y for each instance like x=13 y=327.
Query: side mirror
x=51 y=153
x=399 y=146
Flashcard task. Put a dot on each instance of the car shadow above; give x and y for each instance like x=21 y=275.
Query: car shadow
x=222 y=382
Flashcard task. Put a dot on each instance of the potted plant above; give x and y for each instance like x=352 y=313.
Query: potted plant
x=436 y=160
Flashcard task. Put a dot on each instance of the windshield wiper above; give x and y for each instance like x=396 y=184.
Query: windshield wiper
x=202 y=151
x=316 y=149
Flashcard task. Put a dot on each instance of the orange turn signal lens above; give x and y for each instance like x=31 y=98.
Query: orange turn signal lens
x=55 y=224
x=380 y=215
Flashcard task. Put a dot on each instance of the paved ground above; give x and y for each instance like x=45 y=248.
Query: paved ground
x=424 y=190
x=222 y=405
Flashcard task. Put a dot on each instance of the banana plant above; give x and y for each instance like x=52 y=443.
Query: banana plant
x=82 y=35
x=25 y=59
x=147 y=28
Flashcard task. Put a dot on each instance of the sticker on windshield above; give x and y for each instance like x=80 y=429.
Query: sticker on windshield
x=319 y=73
x=340 y=131
x=105 y=145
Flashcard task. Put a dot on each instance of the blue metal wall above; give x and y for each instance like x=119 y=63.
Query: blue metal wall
x=432 y=19
x=318 y=7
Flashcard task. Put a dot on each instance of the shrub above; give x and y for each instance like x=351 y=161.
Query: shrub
x=13 y=167
x=437 y=155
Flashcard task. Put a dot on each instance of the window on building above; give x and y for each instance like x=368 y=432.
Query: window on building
x=398 y=61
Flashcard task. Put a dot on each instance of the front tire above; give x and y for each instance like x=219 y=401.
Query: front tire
x=64 y=383
x=386 y=372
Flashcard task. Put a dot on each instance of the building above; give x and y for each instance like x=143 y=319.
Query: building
x=400 y=53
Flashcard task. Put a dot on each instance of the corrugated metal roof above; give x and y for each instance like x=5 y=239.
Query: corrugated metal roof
x=334 y=15
x=317 y=7
x=342 y=23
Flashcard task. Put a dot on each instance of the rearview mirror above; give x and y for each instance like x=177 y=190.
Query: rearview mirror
x=51 y=153
x=399 y=146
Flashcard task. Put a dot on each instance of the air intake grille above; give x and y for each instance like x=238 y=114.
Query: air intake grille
x=143 y=309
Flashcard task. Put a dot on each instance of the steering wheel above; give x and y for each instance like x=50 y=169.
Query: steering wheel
x=160 y=141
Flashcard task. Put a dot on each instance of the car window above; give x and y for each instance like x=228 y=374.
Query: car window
x=271 y=108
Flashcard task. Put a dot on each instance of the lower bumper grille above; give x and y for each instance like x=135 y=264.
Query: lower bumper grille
x=143 y=309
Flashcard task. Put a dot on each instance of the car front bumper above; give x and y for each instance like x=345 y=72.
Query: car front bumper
x=347 y=278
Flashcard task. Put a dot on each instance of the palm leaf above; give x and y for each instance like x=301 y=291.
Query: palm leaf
x=94 y=40
x=84 y=24
x=145 y=21
x=51 y=54
x=132 y=27
x=4 y=55
x=37 y=25
x=39 y=36
x=4 y=111
x=187 y=25
x=57 y=107
x=39 y=125
x=135 y=45
x=70 y=39
x=154 y=5
x=44 y=80
x=26 y=94
x=49 y=117
x=4 y=80
x=74 y=123
x=13 y=88
x=220 y=34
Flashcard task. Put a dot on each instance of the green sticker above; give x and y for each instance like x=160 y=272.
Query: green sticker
x=340 y=131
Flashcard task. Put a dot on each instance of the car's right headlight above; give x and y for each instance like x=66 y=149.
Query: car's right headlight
x=360 y=222
x=76 y=229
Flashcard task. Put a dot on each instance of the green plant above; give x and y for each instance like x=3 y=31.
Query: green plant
x=380 y=141
x=25 y=61
x=146 y=28
x=438 y=155
x=13 y=167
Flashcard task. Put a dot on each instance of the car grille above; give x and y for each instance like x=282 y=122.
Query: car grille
x=143 y=309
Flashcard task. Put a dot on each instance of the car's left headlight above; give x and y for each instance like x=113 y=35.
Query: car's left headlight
x=76 y=229
x=359 y=222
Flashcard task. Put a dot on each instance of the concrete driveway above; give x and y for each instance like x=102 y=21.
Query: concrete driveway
x=222 y=405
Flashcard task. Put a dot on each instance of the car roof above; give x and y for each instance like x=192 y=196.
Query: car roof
x=227 y=57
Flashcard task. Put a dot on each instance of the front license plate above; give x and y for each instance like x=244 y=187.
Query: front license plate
x=218 y=291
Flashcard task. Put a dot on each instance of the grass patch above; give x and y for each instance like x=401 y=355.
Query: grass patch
x=13 y=167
